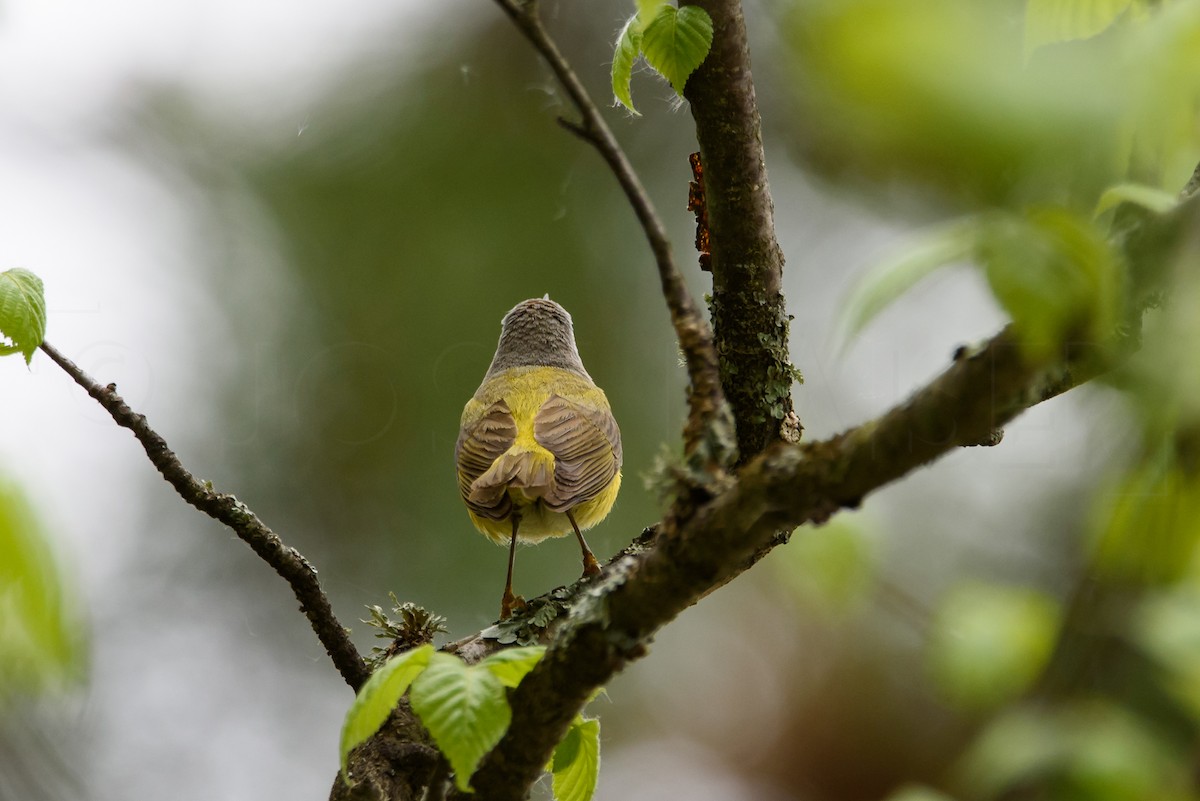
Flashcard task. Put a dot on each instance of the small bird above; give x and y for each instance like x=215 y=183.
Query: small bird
x=538 y=452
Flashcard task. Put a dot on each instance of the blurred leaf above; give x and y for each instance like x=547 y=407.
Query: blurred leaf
x=511 y=664
x=1147 y=527
x=936 y=93
x=378 y=697
x=939 y=247
x=1016 y=746
x=831 y=567
x=1162 y=377
x=1168 y=627
x=913 y=792
x=1050 y=268
x=1049 y=21
x=989 y=643
x=629 y=45
x=22 y=313
x=41 y=642
x=576 y=762
x=1089 y=750
x=676 y=42
x=1055 y=275
x=465 y=709
x=1161 y=91
x=1148 y=197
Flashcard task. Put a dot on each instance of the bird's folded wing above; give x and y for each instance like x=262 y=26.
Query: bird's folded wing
x=479 y=445
x=586 y=444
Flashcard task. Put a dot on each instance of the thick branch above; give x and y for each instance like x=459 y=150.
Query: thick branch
x=748 y=311
x=705 y=399
x=288 y=562
x=786 y=486
x=682 y=559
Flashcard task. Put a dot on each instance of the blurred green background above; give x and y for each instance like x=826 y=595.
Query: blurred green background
x=290 y=234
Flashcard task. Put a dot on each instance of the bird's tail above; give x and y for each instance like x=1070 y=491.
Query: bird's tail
x=528 y=469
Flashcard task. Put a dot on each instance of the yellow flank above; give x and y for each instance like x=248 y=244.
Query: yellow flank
x=525 y=390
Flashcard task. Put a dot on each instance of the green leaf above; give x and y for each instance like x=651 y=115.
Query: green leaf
x=1145 y=528
x=1056 y=276
x=916 y=792
x=931 y=96
x=989 y=643
x=629 y=45
x=1150 y=198
x=464 y=708
x=378 y=697
x=677 y=41
x=646 y=9
x=576 y=762
x=830 y=567
x=1168 y=627
x=22 y=313
x=1087 y=749
x=511 y=664
x=939 y=247
x=1049 y=21
x=41 y=640
x=1017 y=744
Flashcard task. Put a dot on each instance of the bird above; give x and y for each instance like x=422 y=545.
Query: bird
x=538 y=452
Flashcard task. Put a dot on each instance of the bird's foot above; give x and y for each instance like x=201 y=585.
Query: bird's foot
x=511 y=603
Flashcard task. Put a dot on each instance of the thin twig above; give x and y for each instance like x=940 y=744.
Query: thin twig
x=706 y=400
x=287 y=562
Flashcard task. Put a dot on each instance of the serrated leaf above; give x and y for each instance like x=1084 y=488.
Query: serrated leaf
x=511 y=664
x=42 y=645
x=464 y=708
x=629 y=45
x=22 y=313
x=1049 y=21
x=378 y=697
x=676 y=42
x=576 y=762
x=940 y=247
x=1150 y=198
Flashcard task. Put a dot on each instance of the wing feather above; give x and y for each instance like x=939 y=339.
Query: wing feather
x=586 y=444
x=478 y=447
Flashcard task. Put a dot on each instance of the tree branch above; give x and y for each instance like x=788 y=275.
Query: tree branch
x=673 y=564
x=287 y=562
x=748 y=311
x=706 y=401
x=786 y=486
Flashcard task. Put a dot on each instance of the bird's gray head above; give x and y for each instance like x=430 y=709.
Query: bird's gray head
x=537 y=332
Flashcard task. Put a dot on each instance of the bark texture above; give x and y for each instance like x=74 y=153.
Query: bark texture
x=749 y=316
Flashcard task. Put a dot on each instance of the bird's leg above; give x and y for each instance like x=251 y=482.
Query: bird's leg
x=590 y=566
x=509 y=602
